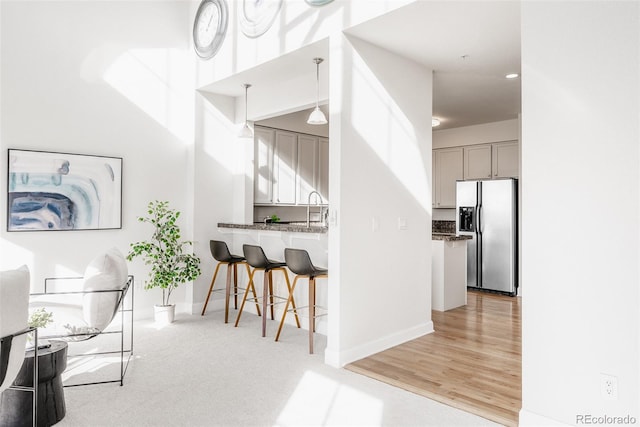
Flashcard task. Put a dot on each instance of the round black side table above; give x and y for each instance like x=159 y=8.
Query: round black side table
x=16 y=405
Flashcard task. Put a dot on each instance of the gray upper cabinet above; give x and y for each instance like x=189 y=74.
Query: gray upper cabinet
x=307 y=179
x=477 y=162
x=285 y=157
x=506 y=160
x=487 y=161
x=289 y=166
x=323 y=169
x=447 y=170
x=263 y=165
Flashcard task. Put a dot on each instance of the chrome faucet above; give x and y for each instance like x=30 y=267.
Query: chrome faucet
x=309 y=205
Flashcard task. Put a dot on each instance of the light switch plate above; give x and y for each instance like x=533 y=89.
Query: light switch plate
x=402 y=223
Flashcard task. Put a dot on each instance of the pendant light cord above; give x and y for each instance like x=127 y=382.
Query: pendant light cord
x=246 y=102
x=318 y=60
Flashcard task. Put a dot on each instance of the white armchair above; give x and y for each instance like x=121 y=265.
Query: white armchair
x=86 y=307
x=14 y=313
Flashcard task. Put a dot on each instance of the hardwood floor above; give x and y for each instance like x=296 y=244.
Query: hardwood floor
x=472 y=361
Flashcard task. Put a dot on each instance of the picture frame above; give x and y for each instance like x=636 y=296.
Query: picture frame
x=52 y=191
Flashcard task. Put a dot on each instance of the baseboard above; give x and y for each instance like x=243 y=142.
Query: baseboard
x=339 y=359
x=528 y=418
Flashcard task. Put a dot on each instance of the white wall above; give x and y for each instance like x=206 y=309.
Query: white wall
x=380 y=170
x=297 y=25
x=581 y=189
x=506 y=130
x=98 y=78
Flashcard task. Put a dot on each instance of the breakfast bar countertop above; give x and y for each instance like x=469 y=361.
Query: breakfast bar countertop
x=296 y=227
x=449 y=237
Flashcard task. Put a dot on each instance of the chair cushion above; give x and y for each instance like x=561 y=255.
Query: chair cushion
x=108 y=271
x=14 y=316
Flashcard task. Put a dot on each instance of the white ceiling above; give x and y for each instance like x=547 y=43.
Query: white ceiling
x=470 y=45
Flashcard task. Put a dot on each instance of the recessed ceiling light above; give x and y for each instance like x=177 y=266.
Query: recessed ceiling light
x=435 y=122
x=512 y=76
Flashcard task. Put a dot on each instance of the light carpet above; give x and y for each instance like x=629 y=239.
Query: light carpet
x=199 y=371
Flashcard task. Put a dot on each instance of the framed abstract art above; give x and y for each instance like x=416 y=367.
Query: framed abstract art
x=63 y=191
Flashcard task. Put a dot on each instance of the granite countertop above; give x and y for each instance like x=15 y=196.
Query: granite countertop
x=447 y=237
x=296 y=227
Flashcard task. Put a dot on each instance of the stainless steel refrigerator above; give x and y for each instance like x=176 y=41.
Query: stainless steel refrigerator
x=487 y=210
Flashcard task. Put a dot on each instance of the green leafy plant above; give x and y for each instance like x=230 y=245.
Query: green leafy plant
x=40 y=318
x=275 y=218
x=164 y=252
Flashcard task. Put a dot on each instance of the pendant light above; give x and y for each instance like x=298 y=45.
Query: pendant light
x=246 y=131
x=317 y=117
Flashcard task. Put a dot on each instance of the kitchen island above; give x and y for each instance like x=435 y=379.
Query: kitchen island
x=448 y=271
x=274 y=238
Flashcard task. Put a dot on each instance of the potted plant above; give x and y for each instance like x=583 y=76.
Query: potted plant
x=164 y=252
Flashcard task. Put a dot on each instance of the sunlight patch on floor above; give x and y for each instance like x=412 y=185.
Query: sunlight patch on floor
x=318 y=400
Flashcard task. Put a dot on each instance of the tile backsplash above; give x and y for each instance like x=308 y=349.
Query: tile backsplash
x=448 y=227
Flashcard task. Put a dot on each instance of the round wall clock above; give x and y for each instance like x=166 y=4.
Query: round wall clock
x=257 y=16
x=318 y=3
x=210 y=27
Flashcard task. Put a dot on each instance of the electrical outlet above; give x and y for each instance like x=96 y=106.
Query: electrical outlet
x=609 y=387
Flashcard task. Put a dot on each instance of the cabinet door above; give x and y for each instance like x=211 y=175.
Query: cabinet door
x=477 y=162
x=448 y=171
x=284 y=160
x=323 y=168
x=506 y=160
x=434 y=174
x=264 y=140
x=307 y=175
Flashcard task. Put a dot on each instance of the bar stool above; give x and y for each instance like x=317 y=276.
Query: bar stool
x=220 y=252
x=256 y=258
x=299 y=262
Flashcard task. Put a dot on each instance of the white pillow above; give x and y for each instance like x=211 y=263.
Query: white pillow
x=14 y=316
x=107 y=271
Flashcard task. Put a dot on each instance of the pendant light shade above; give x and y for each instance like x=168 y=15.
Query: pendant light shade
x=317 y=116
x=246 y=131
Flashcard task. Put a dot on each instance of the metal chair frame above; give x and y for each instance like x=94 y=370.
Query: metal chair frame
x=125 y=353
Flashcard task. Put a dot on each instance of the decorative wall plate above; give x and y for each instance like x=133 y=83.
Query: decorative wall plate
x=257 y=16
x=318 y=3
x=210 y=27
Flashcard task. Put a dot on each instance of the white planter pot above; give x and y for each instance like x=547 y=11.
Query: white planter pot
x=164 y=314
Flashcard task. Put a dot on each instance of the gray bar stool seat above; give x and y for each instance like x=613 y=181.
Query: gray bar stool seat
x=299 y=262
x=256 y=258
x=220 y=252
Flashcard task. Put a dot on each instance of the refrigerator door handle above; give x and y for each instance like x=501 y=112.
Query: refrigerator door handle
x=479 y=279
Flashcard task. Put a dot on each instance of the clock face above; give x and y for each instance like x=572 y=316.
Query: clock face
x=210 y=27
x=257 y=16
x=318 y=3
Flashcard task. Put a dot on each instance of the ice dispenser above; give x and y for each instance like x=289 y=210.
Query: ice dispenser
x=465 y=219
